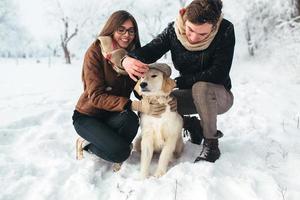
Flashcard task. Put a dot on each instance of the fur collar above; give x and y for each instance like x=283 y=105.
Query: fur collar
x=112 y=53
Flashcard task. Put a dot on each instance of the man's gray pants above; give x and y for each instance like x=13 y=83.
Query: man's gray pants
x=206 y=99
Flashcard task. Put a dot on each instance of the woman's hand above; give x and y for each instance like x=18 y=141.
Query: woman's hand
x=154 y=109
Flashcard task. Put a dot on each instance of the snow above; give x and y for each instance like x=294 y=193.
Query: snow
x=260 y=150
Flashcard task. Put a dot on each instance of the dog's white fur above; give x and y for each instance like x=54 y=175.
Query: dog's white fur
x=161 y=134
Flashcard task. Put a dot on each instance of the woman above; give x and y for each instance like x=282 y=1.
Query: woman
x=104 y=113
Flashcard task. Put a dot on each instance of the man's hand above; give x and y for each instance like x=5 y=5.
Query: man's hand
x=134 y=67
x=173 y=104
x=150 y=108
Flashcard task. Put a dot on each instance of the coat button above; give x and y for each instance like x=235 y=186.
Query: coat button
x=108 y=89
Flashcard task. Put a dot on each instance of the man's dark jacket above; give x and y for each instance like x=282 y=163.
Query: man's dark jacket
x=210 y=65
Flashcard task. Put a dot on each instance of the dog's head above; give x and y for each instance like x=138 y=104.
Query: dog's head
x=156 y=81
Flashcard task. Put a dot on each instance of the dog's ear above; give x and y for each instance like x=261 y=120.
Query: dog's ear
x=168 y=85
x=137 y=87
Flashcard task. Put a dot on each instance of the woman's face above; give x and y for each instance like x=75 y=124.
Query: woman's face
x=125 y=34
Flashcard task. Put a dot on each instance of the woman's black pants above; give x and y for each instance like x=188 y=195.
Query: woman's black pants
x=110 y=136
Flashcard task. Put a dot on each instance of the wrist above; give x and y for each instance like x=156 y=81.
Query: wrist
x=135 y=105
x=121 y=61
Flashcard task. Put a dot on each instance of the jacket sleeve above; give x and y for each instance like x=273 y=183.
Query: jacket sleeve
x=222 y=60
x=155 y=49
x=94 y=83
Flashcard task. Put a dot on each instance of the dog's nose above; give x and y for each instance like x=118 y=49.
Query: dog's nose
x=143 y=84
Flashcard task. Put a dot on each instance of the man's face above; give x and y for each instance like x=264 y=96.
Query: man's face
x=196 y=33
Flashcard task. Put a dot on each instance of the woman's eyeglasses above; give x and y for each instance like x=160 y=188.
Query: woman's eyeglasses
x=122 y=31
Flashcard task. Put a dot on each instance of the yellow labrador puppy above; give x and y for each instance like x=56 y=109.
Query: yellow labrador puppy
x=158 y=134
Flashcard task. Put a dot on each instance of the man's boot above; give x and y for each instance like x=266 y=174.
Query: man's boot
x=210 y=151
x=192 y=126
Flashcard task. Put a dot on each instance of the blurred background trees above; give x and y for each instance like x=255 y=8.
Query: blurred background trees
x=269 y=23
x=73 y=25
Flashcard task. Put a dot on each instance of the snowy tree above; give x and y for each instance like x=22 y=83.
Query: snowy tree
x=69 y=28
x=296 y=4
x=155 y=17
x=153 y=24
x=273 y=28
x=7 y=26
x=66 y=38
x=265 y=22
x=15 y=40
x=70 y=20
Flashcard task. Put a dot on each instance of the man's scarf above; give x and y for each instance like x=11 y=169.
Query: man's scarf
x=181 y=36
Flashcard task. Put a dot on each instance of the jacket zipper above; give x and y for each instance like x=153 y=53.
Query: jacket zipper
x=202 y=60
x=125 y=84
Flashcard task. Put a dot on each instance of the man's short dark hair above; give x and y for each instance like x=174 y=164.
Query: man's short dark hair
x=204 y=11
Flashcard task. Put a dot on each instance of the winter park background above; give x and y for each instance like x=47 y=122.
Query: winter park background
x=261 y=147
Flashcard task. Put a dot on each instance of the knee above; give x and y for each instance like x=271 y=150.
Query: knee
x=130 y=120
x=120 y=154
x=200 y=90
x=200 y=87
x=203 y=92
x=114 y=152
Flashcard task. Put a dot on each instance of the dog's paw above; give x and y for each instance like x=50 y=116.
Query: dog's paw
x=176 y=155
x=159 y=173
x=137 y=144
x=144 y=176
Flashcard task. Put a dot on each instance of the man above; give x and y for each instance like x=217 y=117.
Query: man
x=202 y=46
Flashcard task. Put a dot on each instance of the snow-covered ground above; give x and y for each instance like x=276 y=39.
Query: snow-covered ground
x=260 y=150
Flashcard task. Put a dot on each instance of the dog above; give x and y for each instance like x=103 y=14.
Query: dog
x=158 y=134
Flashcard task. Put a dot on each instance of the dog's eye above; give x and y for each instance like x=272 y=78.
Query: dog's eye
x=153 y=76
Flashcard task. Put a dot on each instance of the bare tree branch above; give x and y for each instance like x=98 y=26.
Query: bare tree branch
x=296 y=4
x=72 y=35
